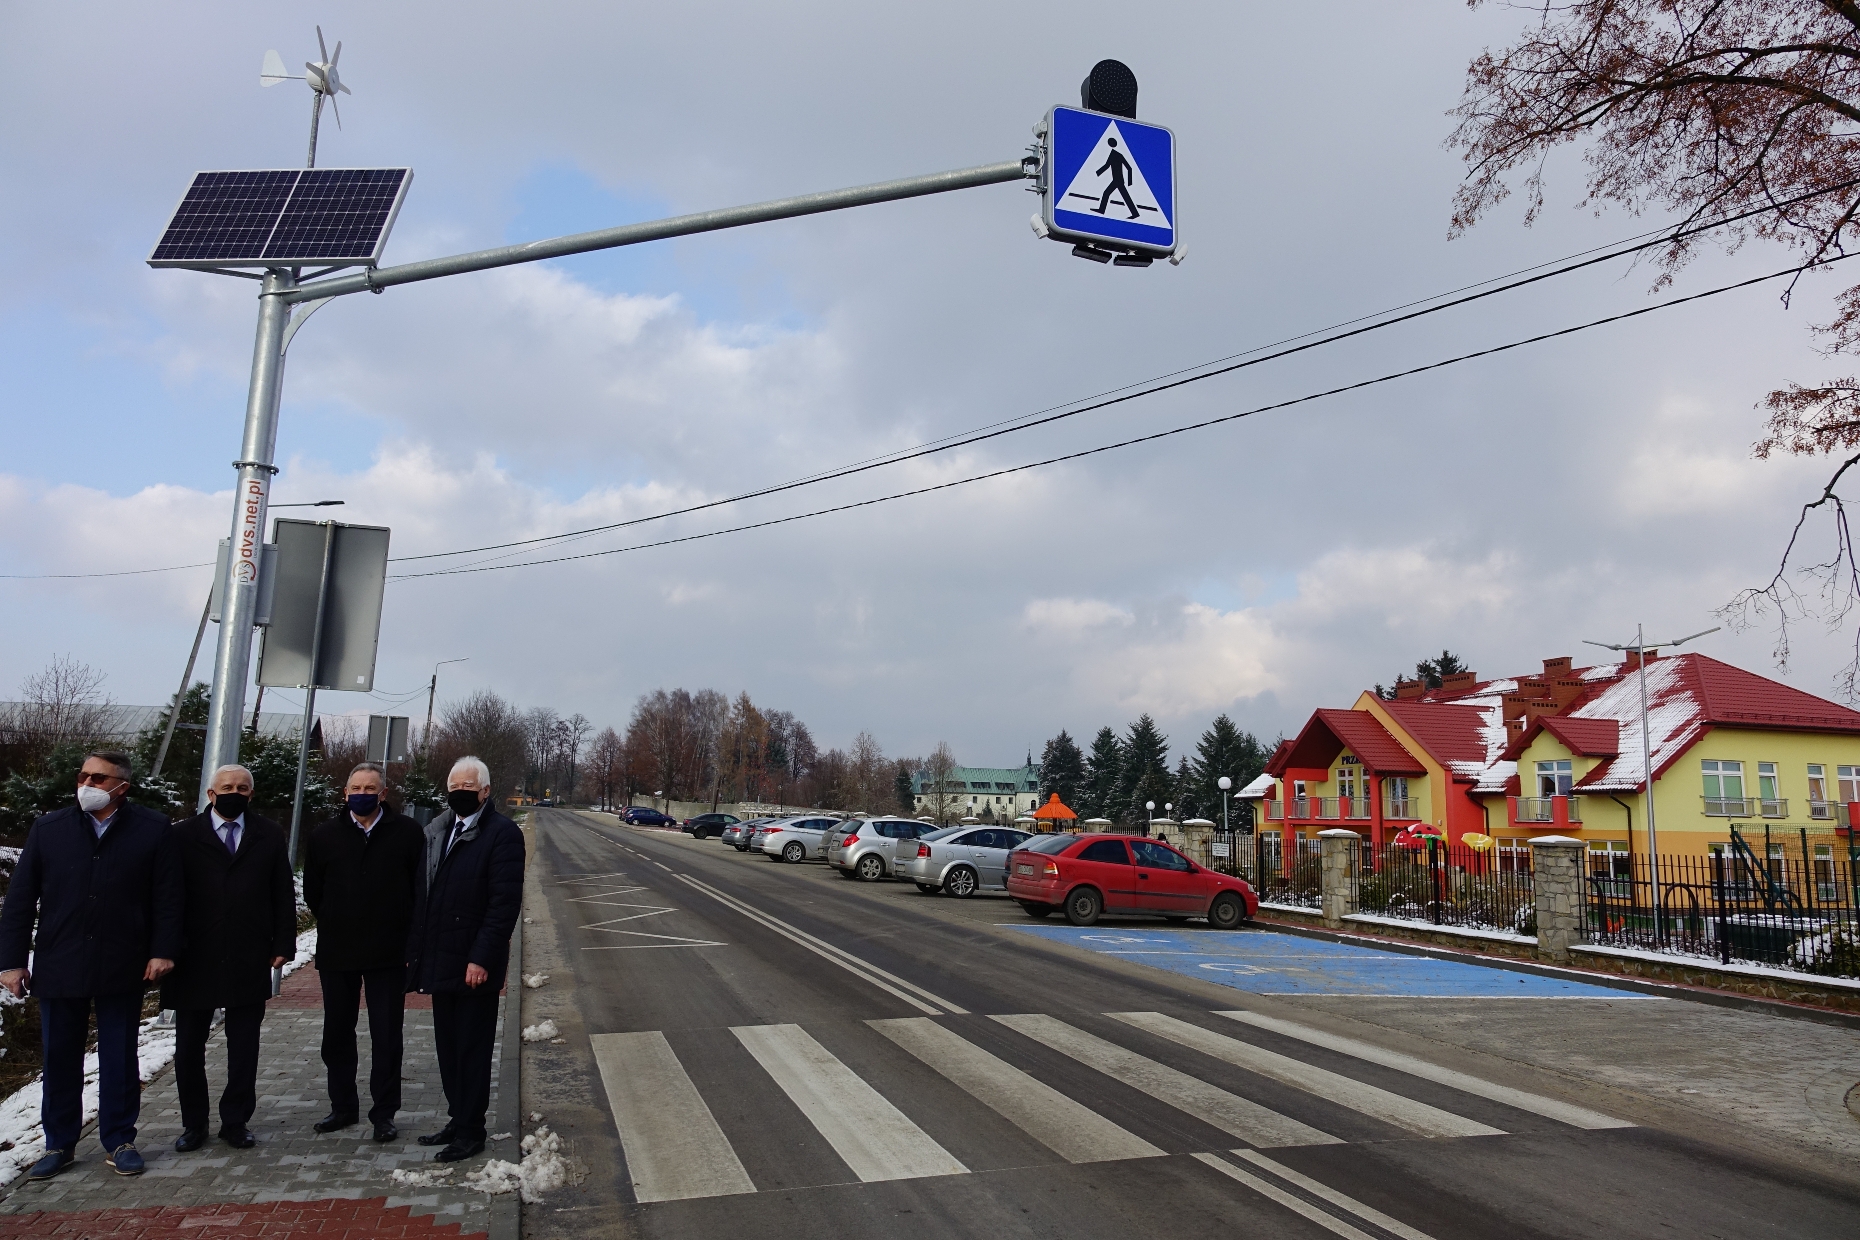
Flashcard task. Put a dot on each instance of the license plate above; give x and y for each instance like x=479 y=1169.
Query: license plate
x=1023 y=869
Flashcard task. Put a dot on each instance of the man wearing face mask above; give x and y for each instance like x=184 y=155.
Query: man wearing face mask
x=241 y=923
x=460 y=946
x=101 y=881
x=361 y=878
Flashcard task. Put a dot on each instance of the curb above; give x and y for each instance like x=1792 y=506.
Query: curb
x=1593 y=977
x=506 y=1209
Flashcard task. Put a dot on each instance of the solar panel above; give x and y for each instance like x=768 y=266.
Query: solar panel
x=288 y=218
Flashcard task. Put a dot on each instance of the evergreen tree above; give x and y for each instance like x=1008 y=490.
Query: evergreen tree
x=1430 y=672
x=1225 y=750
x=1062 y=769
x=1146 y=770
x=1104 y=778
x=901 y=788
x=1182 y=793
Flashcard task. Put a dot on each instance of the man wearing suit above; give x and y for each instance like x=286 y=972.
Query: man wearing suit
x=362 y=873
x=460 y=945
x=241 y=923
x=102 y=883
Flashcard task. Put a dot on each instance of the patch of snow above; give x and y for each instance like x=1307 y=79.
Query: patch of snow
x=535 y=981
x=433 y=1178
x=543 y=1168
x=540 y=1032
x=536 y=1117
x=500 y=1136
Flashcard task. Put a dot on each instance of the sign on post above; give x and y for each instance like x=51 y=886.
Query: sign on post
x=387 y=739
x=350 y=604
x=1110 y=180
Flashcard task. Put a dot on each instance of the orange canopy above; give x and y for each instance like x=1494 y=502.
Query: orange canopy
x=1054 y=808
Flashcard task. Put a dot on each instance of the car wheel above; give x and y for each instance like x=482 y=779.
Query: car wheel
x=961 y=882
x=1228 y=912
x=871 y=867
x=794 y=850
x=1083 y=906
x=928 y=889
x=1033 y=908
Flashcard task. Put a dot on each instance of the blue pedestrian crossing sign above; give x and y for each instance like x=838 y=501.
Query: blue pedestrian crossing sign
x=1110 y=180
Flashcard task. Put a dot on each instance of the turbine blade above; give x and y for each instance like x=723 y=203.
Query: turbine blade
x=272 y=71
x=337 y=56
x=344 y=88
x=321 y=46
x=336 y=110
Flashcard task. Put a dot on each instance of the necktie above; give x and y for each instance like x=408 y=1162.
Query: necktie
x=232 y=837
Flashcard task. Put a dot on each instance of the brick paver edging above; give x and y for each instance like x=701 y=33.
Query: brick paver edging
x=369 y=1218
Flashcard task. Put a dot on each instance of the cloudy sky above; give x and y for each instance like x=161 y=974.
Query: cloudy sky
x=1506 y=508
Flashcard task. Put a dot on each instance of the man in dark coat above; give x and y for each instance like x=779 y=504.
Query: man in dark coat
x=361 y=877
x=102 y=882
x=241 y=924
x=460 y=945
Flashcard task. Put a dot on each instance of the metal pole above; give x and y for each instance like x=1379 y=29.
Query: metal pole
x=1646 y=774
x=239 y=591
x=174 y=713
x=677 y=226
x=316 y=114
x=316 y=653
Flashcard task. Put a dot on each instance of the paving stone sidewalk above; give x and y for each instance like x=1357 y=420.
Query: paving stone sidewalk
x=198 y=1194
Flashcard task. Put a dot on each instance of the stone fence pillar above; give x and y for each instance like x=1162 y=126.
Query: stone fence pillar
x=1556 y=865
x=1339 y=853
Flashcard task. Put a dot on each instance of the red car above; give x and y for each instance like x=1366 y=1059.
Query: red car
x=1091 y=874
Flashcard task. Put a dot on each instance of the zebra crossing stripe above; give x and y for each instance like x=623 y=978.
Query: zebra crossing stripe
x=1550 y=1108
x=872 y=1136
x=1390 y=1108
x=1297 y=1205
x=1240 y=1117
x=1325 y=1192
x=1075 y=1132
x=674 y=1149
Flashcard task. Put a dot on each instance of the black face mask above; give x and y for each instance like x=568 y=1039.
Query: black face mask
x=230 y=804
x=464 y=801
x=364 y=804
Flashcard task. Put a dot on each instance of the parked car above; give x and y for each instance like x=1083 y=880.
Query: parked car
x=706 y=825
x=737 y=837
x=869 y=848
x=960 y=861
x=641 y=816
x=1087 y=875
x=794 y=839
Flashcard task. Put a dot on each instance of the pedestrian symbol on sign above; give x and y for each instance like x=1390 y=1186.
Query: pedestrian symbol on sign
x=1112 y=182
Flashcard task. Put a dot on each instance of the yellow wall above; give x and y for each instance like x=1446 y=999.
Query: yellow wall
x=1679 y=794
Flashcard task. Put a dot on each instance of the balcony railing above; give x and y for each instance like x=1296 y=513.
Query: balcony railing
x=1401 y=807
x=1300 y=807
x=1730 y=807
x=1326 y=806
x=1828 y=811
x=1543 y=809
x=1275 y=811
x=1355 y=807
x=1773 y=808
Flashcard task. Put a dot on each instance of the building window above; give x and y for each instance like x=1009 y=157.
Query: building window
x=1818 y=804
x=1849 y=777
x=1770 y=802
x=1554 y=778
x=1514 y=856
x=1724 y=788
x=1611 y=867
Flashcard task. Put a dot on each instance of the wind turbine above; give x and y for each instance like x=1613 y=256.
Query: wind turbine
x=322 y=78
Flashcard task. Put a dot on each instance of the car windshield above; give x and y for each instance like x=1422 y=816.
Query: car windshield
x=1047 y=843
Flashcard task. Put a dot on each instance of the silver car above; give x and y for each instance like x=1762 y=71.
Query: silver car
x=793 y=839
x=737 y=837
x=960 y=861
x=868 y=848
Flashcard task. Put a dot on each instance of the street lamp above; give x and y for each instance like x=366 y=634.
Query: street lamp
x=432 y=689
x=315 y=503
x=1224 y=784
x=1149 y=807
x=1641 y=646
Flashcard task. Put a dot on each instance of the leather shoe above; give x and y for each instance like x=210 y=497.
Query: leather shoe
x=53 y=1162
x=459 y=1151
x=190 y=1140
x=124 y=1160
x=442 y=1137
x=386 y=1132
x=238 y=1138
x=334 y=1121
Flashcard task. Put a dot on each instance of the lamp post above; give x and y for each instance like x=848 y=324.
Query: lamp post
x=1149 y=807
x=432 y=690
x=1641 y=646
x=1224 y=784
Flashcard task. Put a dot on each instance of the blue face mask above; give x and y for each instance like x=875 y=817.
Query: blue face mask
x=364 y=804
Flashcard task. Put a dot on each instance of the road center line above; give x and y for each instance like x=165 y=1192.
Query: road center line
x=1331 y=1195
x=1297 y=1205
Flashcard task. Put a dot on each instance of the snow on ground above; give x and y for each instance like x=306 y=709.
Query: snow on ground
x=543 y=1168
x=541 y=1032
x=19 y=1114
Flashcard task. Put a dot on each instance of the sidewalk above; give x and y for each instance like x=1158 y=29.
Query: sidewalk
x=295 y=1182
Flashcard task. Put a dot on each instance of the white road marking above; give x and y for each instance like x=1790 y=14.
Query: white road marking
x=1241 y=1117
x=1325 y=1191
x=872 y=1136
x=890 y=983
x=1297 y=1205
x=1565 y=1112
x=1390 y=1108
x=674 y=1148
x=1074 y=1132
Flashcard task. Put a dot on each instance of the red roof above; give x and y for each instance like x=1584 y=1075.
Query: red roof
x=1590 y=738
x=1452 y=735
x=1329 y=732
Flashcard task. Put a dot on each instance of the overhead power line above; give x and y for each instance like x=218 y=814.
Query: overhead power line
x=1140 y=439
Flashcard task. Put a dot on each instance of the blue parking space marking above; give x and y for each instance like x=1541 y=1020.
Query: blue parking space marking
x=1268 y=963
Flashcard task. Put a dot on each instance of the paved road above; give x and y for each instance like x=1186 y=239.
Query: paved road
x=759 y=1050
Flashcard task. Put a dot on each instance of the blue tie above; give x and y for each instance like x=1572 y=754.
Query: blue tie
x=232 y=837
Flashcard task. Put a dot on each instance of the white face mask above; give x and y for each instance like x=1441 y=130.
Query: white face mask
x=92 y=800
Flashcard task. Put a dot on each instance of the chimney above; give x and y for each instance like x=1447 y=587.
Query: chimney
x=1566 y=689
x=1631 y=661
x=1458 y=682
x=1514 y=705
x=1533 y=686
x=1534 y=711
x=1556 y=667
x=1405 y=689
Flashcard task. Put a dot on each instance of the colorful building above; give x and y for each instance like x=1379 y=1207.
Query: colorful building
x=1561 y=753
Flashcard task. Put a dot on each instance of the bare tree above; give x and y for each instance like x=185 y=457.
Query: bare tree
x=1743 y=116
x=489 y=727
x=869 y=775
x=943 y=794
x=62 y=704
x=603 y=771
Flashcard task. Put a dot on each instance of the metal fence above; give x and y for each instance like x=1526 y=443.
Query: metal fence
x=1448 y=885
x=1287 y=876
x=1795 y=912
